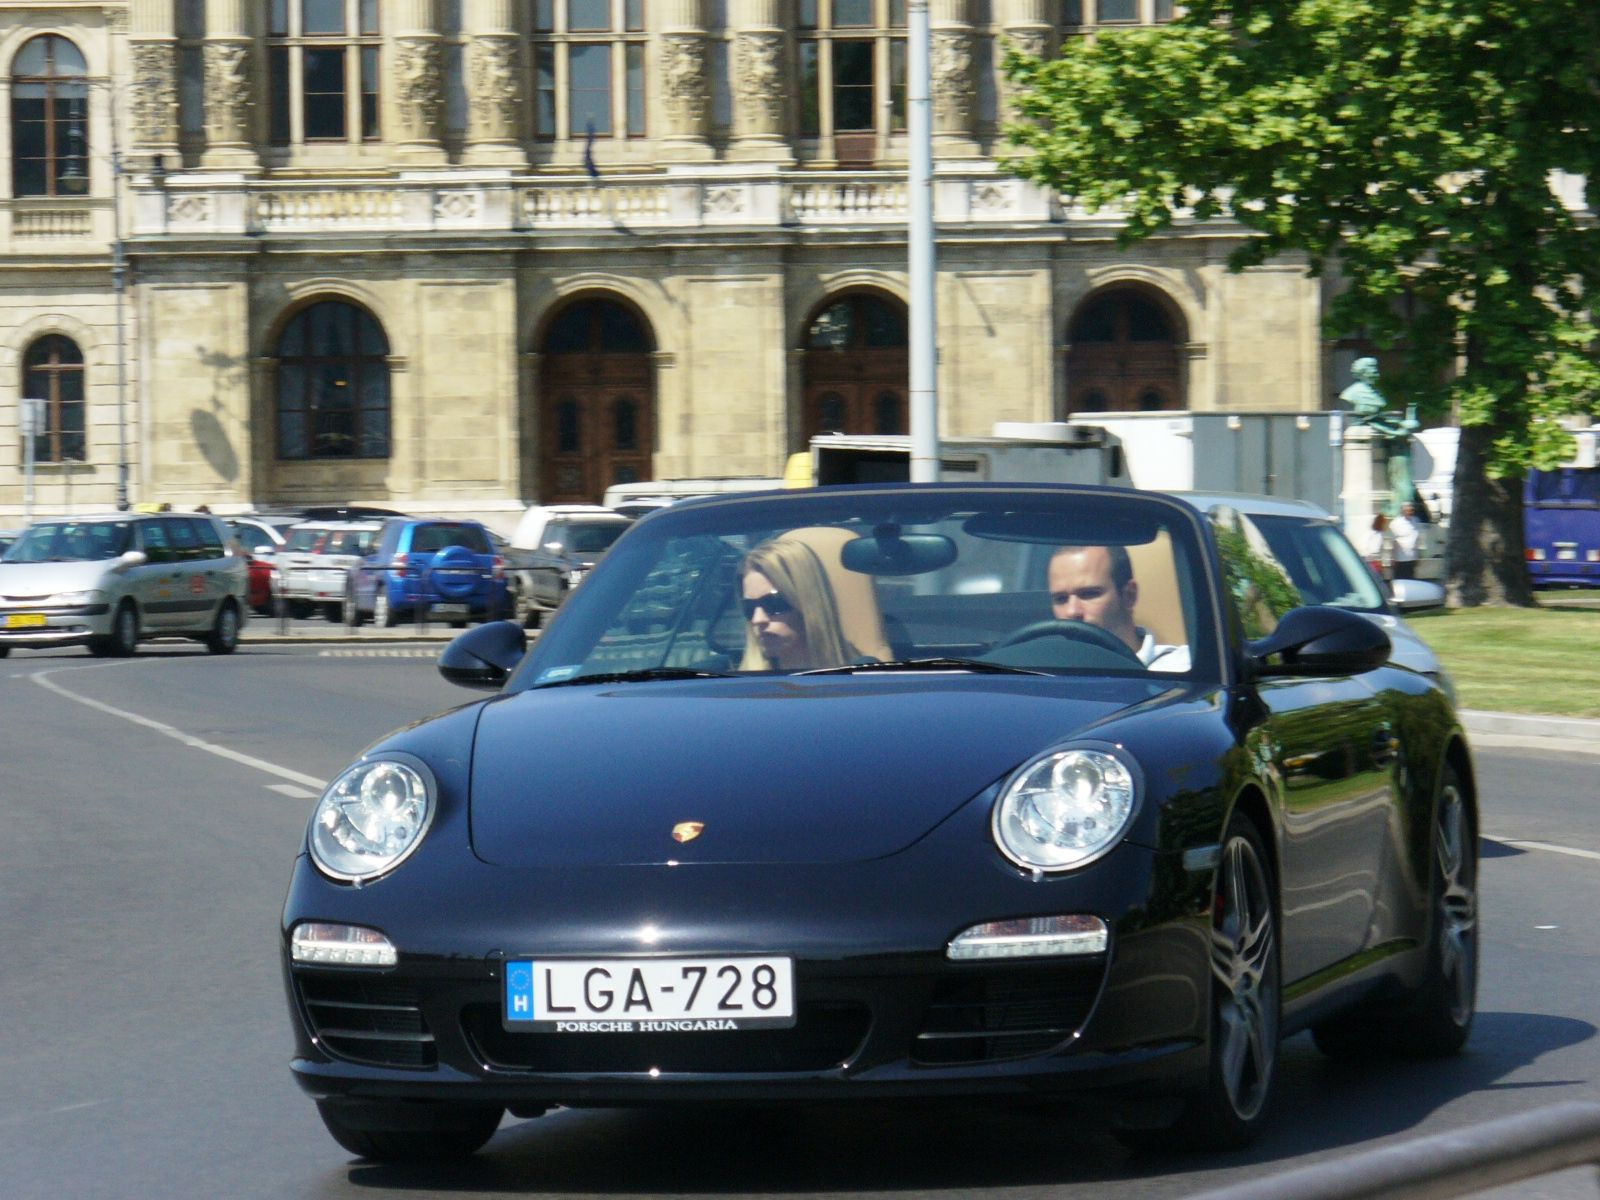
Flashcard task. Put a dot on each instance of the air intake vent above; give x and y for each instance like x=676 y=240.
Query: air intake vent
x=367 y=1020
x=984 y=1018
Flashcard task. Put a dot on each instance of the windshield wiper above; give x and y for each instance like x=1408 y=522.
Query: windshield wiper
x=977 y=665
x=640 y=676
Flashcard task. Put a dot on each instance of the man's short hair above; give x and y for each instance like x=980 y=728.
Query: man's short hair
x=1121 y=564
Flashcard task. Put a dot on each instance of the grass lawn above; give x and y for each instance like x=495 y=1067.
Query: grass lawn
x=1525 y=660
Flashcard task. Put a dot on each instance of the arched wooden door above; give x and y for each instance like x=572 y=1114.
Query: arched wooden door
x=857 y=365
x=1123 y=355
x=596 y=402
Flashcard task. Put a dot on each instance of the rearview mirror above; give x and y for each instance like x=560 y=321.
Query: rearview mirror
x=484 y=657
x=898 y=554
x=1321 y=640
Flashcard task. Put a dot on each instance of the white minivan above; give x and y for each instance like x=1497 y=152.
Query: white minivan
x=110 y=582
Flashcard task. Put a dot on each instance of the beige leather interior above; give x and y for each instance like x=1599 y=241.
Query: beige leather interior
x=1160 y=609
x=859 y=616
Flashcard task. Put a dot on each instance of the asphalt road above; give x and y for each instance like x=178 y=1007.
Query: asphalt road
x=152 y=808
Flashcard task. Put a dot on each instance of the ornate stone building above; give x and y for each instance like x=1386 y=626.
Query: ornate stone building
x=461 y=255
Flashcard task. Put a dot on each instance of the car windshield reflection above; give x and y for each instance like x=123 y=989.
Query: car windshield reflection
x=70 y=541
x=857 y=581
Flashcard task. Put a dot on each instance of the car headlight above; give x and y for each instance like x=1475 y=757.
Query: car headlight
x=88 y=597
x=371 y=817
x=1066 y=808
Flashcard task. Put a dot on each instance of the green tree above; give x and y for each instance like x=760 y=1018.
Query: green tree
x=1407 y=148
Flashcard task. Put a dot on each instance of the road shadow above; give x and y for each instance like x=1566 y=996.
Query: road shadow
x=1321 y=1105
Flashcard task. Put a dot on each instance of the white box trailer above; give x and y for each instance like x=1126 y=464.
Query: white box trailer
x=1046 y=452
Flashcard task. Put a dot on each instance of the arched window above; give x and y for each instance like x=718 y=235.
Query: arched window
x=49 y=119
x=52 y=371
x=856 y=367
x=1124 y=354
x=333 y=384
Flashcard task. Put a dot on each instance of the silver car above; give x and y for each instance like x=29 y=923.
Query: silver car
x=1325 y=568
x=110 y=582
x=315 y=562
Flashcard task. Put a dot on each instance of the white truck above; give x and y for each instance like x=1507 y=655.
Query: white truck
x=1043 y=452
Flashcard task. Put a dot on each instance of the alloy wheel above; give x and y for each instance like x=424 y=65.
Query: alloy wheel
x=1244 y=953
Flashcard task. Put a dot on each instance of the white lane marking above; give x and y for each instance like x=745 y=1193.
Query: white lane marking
x=178 y=735
x=293 y=790
x=1523 y=844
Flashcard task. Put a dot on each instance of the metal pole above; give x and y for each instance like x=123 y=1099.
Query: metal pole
x=32 y=410
x=920 y=235
x=119 y=286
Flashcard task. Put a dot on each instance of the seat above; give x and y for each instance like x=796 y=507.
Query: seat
x=860 y=619
x=1160 y=605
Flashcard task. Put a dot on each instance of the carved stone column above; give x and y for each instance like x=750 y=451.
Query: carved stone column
x=685 y=85
x=233 y=64
x=1025 y=25
x=954 y=79
x=760 y=88
x=416 y=84
x=493 y=79
x=152 y=91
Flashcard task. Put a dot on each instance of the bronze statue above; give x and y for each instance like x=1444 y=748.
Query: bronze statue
x=1371 y=409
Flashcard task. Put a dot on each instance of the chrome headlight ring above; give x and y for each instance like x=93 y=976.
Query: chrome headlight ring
x=1065 y=808
x=372 y=817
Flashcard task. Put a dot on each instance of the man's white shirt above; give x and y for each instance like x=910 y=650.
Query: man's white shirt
x=1159 y=657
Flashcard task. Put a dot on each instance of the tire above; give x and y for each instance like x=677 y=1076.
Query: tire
x=299 y=609
x=1246 y=1000
x=436 y=1132
x=4 y=650
x=1435 y=1021
x=353 y=616
x=224 y=635
x=382 y=614
x=123 y=640
x=333 y=612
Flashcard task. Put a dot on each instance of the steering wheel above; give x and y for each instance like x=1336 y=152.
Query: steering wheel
x=1078 y=631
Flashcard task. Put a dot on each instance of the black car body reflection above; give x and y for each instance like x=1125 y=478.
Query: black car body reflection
x=820 y=795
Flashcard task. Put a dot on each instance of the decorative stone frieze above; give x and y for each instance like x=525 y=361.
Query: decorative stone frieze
x=418 y=86
x=494 y=96
x=684 y=83
x=153 y=93
x=228 y=92
x=758 y=84
x=954 y=90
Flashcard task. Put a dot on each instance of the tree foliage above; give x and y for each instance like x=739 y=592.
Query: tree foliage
x=1411 y=147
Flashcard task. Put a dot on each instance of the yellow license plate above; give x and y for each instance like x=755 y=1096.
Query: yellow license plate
x=25 y=620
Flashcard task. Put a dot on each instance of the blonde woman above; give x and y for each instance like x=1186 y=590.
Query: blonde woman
x=791 y=616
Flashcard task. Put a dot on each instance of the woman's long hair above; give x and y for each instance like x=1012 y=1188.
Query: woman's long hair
x=797 y=572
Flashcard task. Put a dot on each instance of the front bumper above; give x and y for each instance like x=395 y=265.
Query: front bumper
x=62 y=625
x=883 y=1013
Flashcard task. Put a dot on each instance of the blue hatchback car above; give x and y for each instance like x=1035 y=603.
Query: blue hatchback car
x=450 y=566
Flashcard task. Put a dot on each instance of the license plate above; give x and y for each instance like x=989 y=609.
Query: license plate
x=658 y=995
x=450 y=610
x=1567 y=555
x=25 y=620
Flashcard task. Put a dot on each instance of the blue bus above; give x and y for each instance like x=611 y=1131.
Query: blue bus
x=1561 y=521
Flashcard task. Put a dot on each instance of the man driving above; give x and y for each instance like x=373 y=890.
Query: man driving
x=1095 y=585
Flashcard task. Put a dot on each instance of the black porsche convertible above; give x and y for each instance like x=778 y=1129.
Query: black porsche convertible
x=1049 y=793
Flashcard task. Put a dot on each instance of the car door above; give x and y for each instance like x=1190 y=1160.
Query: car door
x=154 y=585
x=1333 y=749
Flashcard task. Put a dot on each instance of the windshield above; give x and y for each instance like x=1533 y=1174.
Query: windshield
x=1321 y=562
x=1051 y=580
x=588 y=537
x=71 y=541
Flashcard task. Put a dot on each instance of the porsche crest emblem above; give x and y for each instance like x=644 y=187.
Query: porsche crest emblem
x=687 y=831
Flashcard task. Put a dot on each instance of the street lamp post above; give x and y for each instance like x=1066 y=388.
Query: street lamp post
x=920 y=235
x=119 y=288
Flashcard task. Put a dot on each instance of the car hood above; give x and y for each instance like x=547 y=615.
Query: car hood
x=776 y=771
x=47 y=578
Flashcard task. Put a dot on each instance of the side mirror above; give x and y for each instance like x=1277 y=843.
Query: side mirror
x=131 y=558
x=1321 y=640
x=484 y=657
x=1416 y=595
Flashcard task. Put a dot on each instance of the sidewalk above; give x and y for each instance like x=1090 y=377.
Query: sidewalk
x=1508 y=730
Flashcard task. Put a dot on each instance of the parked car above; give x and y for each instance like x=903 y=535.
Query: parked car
x=318 y=579
x=553 y=547
x=1308 y=544
x=450 y=567
x=261 y=536
x=110 y=582
x=811 y=795
x=7 y=536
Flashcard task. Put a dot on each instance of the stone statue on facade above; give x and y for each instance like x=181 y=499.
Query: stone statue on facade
x=1371 y=408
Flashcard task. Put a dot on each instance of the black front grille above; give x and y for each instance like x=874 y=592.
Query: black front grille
x=1006 y=1014
x=824 y=1036
x=367 y=1020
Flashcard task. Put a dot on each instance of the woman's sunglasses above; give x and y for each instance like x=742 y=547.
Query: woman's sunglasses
x=774 y=604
